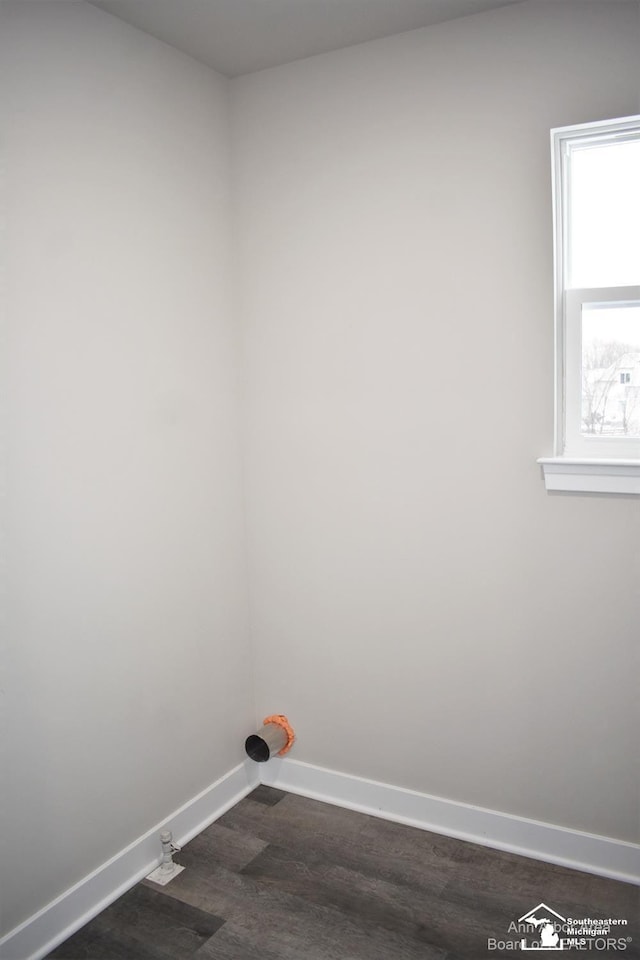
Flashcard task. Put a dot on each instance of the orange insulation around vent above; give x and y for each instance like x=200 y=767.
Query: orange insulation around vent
x=280 y=720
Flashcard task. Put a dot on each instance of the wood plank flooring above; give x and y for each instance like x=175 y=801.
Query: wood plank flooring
x=281 y=877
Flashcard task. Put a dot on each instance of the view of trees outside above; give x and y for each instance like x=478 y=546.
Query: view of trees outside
x=611 y=370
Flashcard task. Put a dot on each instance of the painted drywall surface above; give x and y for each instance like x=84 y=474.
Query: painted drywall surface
x=423 y=611
x=125 y=672
x=638 y=64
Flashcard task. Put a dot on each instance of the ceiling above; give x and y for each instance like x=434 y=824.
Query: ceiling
x=242 y=36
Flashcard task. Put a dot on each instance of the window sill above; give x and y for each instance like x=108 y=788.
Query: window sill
x=591 y=476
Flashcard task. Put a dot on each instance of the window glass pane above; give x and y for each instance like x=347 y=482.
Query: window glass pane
x=604 y=215
x=611 y=370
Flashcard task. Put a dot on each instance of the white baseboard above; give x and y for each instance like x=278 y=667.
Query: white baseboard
x=529 y=838
x=41 y=933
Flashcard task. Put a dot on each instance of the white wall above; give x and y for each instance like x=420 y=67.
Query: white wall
x=423 y=611
x=125 y=668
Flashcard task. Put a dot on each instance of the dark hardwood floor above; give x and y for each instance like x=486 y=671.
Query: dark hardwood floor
x=280 y=877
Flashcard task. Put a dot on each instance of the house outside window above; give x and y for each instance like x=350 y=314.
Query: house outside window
x=596 y=187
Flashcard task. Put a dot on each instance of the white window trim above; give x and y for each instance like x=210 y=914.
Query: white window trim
x=611 y=471
x=591 y=476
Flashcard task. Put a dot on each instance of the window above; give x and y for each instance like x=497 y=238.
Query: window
x=596 y=185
